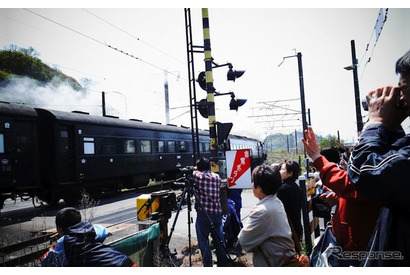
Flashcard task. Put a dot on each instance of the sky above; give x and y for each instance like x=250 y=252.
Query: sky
x=131 y=53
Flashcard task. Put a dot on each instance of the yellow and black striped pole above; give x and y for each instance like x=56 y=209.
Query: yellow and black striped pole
x=210 y=89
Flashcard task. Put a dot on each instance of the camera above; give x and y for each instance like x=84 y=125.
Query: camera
x=188 y=170
x=187 y=179
x=365 y=104
x=319 y=191
x=399 y=103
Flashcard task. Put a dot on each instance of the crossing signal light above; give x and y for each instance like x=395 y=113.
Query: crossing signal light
x=202 y=107
x=202 y=80
x=234 y=74
x=236 y=103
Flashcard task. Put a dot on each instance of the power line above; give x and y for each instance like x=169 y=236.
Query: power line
x=95 y=40
x=68 y=28
x=139 y=59
x=378 y=27
x=137 y=38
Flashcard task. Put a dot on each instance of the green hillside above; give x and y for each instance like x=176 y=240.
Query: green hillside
x=16 y=63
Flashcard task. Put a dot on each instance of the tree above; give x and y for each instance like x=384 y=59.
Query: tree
x=30 y=52
x=19 y=62
x=329 y=141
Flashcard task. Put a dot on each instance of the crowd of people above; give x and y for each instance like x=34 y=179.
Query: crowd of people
x=370 y=195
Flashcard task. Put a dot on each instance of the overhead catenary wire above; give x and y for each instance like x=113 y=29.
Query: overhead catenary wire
x=64 y=26
x=378 y=27
x=139 y=59
x=96 y=40
x=133 y=36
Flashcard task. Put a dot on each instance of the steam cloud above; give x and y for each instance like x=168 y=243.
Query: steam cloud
x=54 y=95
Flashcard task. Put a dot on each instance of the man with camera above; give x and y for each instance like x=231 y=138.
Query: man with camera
x=379 y=169
x=209 y=212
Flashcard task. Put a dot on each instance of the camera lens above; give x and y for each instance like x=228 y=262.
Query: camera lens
x=365 y=104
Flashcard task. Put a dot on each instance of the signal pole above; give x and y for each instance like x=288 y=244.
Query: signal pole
x=210 y=90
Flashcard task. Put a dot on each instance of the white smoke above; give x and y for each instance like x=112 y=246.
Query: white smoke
x=54 y=95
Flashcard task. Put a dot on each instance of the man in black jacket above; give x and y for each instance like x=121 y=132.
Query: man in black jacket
x=81 y=244
x=379 y=169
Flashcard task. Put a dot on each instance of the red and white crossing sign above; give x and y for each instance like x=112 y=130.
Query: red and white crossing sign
x=238 y=168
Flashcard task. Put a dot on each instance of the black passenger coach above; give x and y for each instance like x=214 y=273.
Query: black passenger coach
x=54 y=155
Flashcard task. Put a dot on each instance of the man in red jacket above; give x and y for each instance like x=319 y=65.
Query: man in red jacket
x=355 y=217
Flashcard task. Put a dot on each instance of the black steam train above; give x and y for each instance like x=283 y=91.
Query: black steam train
x=54 y=155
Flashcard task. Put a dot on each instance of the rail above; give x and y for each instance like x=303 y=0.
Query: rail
x=14 y=254
x=28 y=252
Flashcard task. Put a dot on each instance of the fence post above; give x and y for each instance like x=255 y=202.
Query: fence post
x=305 y=215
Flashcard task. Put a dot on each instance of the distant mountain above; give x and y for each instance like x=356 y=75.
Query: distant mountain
x=290 y=143
x=283 y=141
x=17 y=63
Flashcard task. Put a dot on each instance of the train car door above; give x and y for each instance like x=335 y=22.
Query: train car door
x=66 y=165
x=18 y=153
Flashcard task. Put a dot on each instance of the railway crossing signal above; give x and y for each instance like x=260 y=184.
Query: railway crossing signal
x=234 y=74
x=236 y=103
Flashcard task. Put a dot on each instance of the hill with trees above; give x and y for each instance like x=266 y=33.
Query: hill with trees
x=18 y=62
x=292 y=142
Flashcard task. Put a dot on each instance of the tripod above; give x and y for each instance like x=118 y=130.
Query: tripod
x=187 y=193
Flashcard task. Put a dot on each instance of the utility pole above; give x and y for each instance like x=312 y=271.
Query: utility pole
x=167 y=120
x=103 y=103
x=353 y=67
x=356 y=89
x=301 y=88
x=302 y=181
x=302 y=94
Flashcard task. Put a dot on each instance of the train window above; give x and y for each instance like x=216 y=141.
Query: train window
x=63 y=144
x=145 y=146
x=160 y=146
x=129 y=146
x=203 y=147
x=171 y=147
x=109 y=146
x=89 y=146
x=1 y=144
x=182 y=147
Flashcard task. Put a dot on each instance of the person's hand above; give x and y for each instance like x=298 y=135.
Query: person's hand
x=331 y=198
x=311 y=144
x=343 y=164
x=383 y=108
